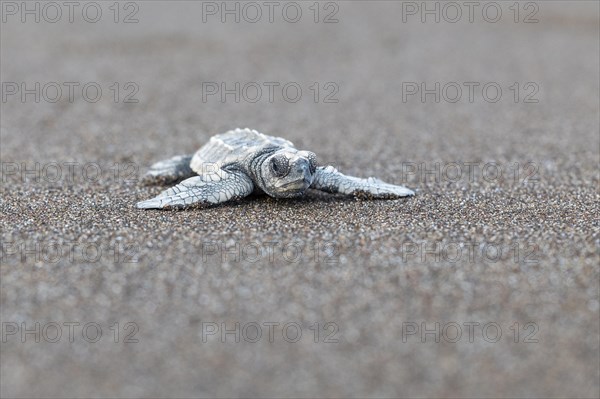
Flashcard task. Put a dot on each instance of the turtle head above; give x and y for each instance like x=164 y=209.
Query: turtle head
x=288 y=173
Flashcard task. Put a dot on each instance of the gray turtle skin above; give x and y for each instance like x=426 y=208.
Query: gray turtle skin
x=240 y=162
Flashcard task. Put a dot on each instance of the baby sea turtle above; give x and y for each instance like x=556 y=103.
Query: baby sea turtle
x=240 y=162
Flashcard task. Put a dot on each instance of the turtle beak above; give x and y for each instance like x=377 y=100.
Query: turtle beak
x=303 y=169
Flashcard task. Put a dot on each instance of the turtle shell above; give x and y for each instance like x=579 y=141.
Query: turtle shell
x=233 y=146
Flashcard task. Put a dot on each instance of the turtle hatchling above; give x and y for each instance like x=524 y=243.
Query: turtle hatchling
x=240 y=162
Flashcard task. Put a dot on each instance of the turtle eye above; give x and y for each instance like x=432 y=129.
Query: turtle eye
x=279 y=166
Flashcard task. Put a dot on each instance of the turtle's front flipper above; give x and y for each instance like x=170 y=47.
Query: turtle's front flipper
x=169 y=171
x=328 y=179
x=214 y=188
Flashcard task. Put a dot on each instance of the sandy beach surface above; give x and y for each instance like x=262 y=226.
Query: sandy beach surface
x=485 y=284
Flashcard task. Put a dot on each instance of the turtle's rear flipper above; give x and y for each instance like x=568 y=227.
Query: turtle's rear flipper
x=328 y=179
x=169 y=171
x=210 y=189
